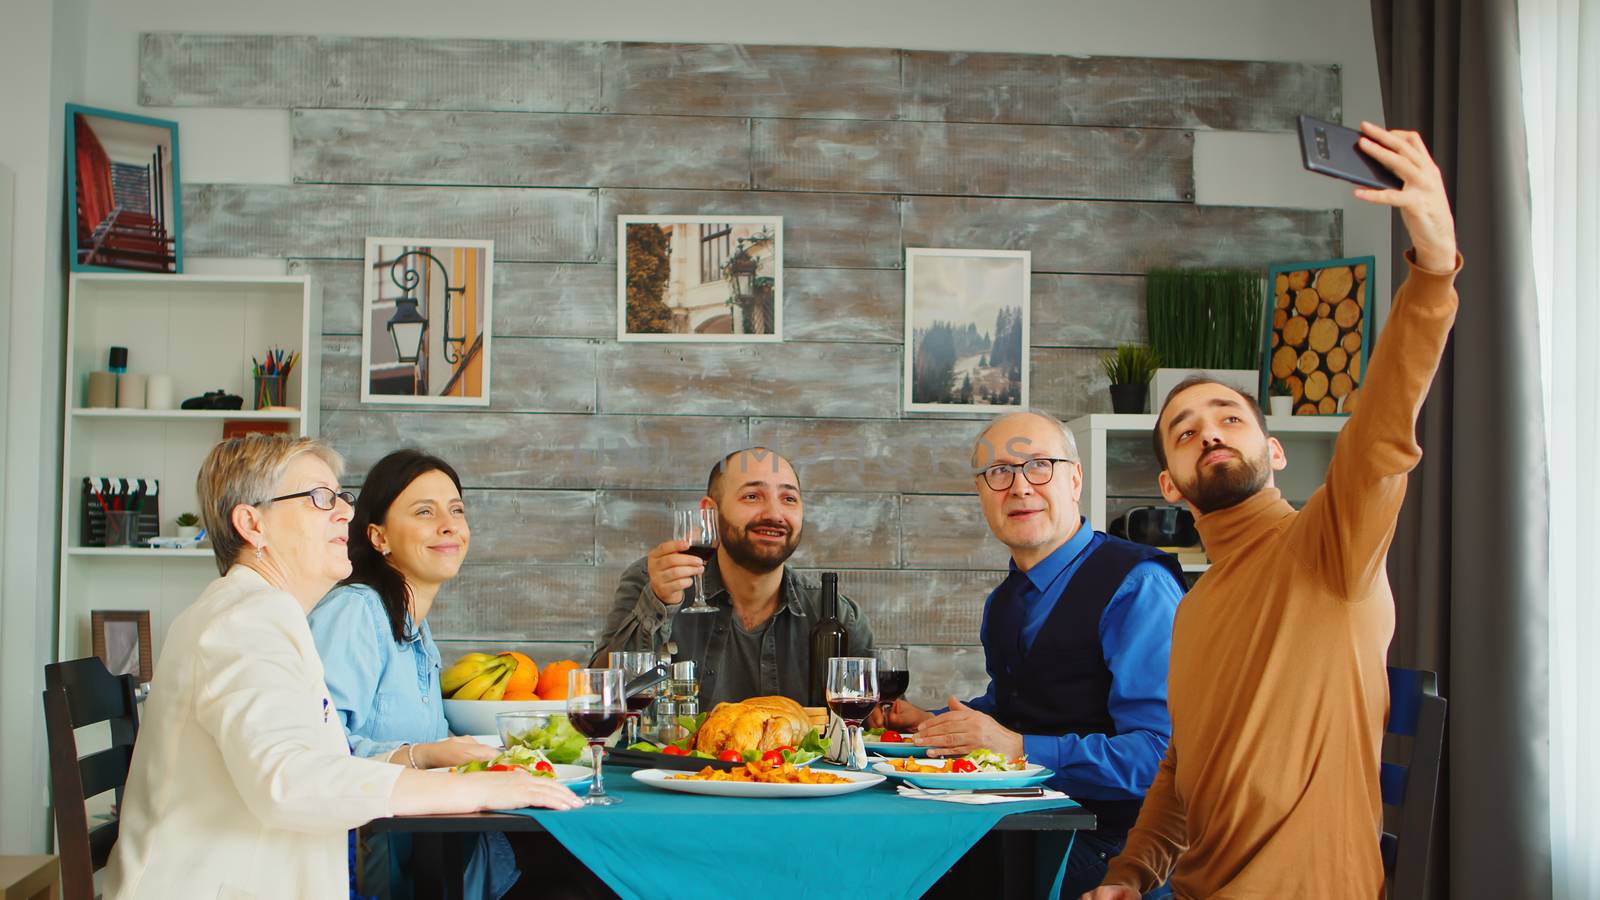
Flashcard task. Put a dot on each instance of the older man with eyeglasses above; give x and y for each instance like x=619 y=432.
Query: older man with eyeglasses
x=1075 y=641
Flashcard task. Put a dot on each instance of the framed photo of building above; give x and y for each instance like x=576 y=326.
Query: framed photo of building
x=425 y=324
x=967 y=338
x=700 y=278
x=1319 y=333
x=124 y=190
x=121 y=638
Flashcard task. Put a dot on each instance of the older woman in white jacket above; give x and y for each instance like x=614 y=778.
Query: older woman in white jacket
x=242 y=782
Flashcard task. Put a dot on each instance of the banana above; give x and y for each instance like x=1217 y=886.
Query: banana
x=464 y=670
x=497 y=690
x=474 y=689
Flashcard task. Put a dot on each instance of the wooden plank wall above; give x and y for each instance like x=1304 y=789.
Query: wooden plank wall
x=1086 y=161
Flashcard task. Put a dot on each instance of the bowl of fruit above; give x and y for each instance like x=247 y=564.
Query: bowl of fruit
x=478 y=686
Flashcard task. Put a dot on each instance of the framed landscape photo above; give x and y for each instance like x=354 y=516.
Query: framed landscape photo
x=700 y=278
x=121 y=638
x=425 y=324
x=124 y=191
x=967 y=337
x=1319 y=333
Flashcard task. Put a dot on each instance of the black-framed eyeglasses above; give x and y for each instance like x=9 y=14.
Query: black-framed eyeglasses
x=323 y=497
x=1038 y=471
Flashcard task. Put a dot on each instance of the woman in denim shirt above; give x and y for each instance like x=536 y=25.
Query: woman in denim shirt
x=408 y=536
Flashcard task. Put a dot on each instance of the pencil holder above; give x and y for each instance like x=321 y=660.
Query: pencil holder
x=122 y=528
x=269 y=391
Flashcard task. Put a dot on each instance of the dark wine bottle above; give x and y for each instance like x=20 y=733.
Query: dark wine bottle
x=828 y=639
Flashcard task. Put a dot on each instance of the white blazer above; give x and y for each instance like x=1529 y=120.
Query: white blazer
x=242 y=784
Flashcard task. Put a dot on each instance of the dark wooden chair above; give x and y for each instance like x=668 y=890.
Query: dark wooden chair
x=78 y=693
x=1416 y=712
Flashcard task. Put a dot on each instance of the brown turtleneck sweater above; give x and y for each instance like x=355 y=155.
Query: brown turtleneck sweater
x=1277 y=685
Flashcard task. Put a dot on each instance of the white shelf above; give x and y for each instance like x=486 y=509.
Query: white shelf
x=1196 y=567
x=163 y=415
x=201 y=331
x=1142 y=423
x=143 y=552
x=1308 y=442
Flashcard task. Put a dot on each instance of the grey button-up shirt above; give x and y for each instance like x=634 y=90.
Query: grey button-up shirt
x=640 y=621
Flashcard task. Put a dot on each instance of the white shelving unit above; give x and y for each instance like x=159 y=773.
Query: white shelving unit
x=201 y=330
x=1107 y=441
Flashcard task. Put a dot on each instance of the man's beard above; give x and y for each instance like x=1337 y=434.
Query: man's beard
x=1227 y=484
x=759 y=559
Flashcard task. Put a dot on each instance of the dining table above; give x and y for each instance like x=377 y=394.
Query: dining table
x=874 y=843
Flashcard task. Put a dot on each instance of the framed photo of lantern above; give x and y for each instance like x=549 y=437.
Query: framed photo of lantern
x=1318 y=333
x=425 y=325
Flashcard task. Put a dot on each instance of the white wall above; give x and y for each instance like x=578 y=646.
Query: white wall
x=41 y=46
x=253 y=146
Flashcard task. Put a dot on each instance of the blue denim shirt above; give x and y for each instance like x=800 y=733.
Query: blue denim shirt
x=1136 y=637
x=387 y=693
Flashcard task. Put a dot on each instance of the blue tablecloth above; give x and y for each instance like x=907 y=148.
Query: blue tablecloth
x=872 y=844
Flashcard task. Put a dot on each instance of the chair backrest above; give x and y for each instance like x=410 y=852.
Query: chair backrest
x=1416 y=711
x=78 y=693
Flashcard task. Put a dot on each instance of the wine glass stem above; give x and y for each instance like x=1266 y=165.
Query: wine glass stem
x=699 y=592
x=598 y=787
x=630 y=733
x=852 y=733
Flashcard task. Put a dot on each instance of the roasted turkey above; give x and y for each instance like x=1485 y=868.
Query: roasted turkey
x=759 y=723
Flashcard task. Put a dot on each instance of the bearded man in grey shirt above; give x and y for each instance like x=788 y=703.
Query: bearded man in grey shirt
x=757 y=643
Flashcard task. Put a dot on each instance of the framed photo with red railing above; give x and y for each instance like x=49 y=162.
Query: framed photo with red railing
x=124 y=192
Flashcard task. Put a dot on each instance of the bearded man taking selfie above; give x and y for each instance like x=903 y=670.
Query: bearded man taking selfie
x=1277 y=684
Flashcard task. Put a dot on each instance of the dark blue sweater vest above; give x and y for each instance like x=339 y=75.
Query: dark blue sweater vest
x=1060 y=685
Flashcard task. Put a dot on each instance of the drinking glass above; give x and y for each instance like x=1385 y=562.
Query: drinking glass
x=894 y=676
x=699 y=528
x=634 y=663
x=852 y=693
x=595 y=708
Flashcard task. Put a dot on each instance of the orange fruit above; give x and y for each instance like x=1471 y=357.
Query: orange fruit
x=524 y=680
x=553 y=680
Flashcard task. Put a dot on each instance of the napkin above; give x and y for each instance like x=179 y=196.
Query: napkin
x=838 y=741
x=916 y=793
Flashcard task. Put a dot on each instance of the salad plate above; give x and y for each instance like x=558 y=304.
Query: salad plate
x=990 y=770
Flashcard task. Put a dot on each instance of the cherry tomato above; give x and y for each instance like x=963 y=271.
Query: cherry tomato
x=963 y=765
x=670 y=750
x=732 y=756
x=773 y=757
x=891 y=737
x=542 y=766
x=501 y=768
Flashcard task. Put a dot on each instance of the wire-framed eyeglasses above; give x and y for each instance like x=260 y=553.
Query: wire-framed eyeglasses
x=1038 y=470
x=324 y=497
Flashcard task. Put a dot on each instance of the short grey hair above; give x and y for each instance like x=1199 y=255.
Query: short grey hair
x=246 y=470
x=1068 y=442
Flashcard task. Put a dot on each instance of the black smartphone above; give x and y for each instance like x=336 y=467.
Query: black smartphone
x=1333 y=150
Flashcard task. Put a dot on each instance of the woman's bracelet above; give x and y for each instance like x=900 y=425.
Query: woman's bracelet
x=412 y=757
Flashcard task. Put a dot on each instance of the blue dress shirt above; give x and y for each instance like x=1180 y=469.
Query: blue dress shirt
x=1136 y=638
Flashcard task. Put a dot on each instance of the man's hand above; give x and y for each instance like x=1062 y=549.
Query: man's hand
x=1111 y=892
x=671 y=570
x=1423 y=204
x=963 y=730
x=903 y=716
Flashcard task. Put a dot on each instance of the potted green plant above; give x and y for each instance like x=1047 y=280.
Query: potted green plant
x=1130 y=367
x=1280 y=398
x=1205 y=322
x=188 y=526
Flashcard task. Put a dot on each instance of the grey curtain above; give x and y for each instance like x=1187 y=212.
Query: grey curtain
x=1470 y=558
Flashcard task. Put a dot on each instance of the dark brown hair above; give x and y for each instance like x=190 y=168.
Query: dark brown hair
x=1184 y=385
x=383 y=485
